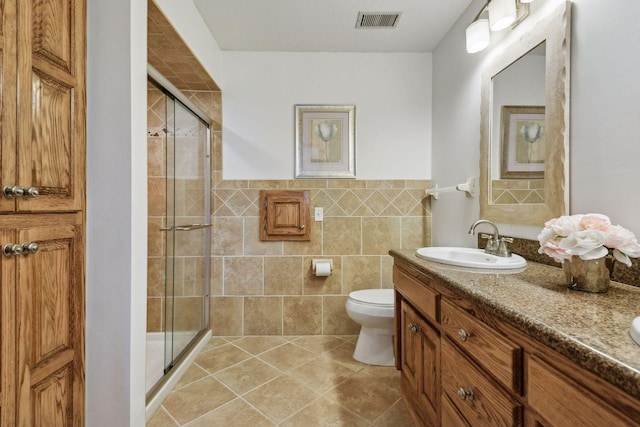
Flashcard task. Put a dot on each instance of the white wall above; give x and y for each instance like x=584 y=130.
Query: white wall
x=392 y=94
x=605 y=116
x=116 y=213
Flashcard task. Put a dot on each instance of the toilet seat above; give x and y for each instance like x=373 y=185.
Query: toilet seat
x=373 y=297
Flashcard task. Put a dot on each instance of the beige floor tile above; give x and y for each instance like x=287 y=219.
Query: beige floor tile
x=192 y=374
x=221 y=357
x=343 y=354
x=235 y=413
x=257 y=345
x=324 y=413
x=161 y=419
x=288 y=356
x=321 y=374
x=213 y=343
x=247 y=375
x=319 y=343
x=396 y=416
x=280 y=398
x=364 y=396
x=197 y=399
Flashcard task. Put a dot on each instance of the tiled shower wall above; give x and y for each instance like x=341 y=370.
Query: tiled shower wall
x=268 y=288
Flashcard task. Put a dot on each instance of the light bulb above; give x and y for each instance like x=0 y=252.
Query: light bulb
x=478 y=36
x=502 y=13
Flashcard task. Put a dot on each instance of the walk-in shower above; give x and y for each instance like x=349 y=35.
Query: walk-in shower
x=179 y=224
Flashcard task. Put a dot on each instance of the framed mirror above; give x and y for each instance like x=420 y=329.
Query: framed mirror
x=524 y=131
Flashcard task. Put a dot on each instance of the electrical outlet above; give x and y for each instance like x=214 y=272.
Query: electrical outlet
x=318 y=214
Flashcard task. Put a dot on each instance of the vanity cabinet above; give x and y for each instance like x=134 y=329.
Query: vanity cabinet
x=463 y=366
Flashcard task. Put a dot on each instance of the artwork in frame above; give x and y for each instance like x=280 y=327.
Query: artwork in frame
x=523 y=142
x=325 y=141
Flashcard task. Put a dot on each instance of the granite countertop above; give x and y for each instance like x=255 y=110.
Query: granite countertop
x=590 y=329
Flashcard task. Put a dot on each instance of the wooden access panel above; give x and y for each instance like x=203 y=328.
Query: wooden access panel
x=285 y=215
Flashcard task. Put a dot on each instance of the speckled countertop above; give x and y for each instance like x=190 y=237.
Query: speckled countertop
x=590 y=329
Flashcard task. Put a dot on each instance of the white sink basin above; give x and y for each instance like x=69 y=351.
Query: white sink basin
x=470 y=257
x=634 y=331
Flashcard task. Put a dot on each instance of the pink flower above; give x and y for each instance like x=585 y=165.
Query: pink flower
x=588 y=236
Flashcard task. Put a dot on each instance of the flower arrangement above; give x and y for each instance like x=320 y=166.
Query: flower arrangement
x=587 y=236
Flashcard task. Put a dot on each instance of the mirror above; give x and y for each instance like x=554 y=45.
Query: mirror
x=524 y=142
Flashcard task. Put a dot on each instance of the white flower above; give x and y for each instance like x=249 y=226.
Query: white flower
x=587 y=244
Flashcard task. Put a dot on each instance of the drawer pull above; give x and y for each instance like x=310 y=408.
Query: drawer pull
x=414 y=328
x=465 y=394
x=464 y=335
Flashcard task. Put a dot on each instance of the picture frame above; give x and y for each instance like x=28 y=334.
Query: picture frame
x=325 y=141
x=522 y=142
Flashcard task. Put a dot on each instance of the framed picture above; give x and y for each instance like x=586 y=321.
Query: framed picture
x=325 y=141
x=523 y=142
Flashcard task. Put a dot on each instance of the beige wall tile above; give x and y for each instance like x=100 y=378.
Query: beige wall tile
x=154 y=314
x=155 y=276
x=283 y=276
x=225 y=316
x=155 y=246
x=188 y=314
x=302 y=315
x=252 y=243
x=311 y=247
x=217 y=279
x=360 y=272
x=243 y=276
x=227 y=236
x=335 y=319
x=379 y=235
x=319 y=285
x=263 y=316
x=156 y=196
x=413 y=233
x=342 y=236
x=386 y=263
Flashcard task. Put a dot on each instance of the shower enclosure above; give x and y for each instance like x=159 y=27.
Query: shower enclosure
x=179 y=229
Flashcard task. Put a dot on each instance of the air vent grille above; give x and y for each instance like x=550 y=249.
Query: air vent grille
x=377 y=20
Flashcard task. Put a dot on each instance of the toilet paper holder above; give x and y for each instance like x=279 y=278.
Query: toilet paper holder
x=318 y=261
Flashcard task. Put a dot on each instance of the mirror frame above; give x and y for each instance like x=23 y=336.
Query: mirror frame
x=555 y=29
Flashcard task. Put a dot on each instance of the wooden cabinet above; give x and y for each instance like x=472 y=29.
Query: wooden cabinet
x=420 y=358
x=42 y=161
x=461 y=366
x=285 y=215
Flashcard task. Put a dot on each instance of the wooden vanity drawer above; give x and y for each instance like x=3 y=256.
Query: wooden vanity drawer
x=494 y=352
x=473 y=394
x=557 y=399
x=423 y=298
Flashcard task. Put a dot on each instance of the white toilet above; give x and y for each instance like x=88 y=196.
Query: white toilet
x=373 y=310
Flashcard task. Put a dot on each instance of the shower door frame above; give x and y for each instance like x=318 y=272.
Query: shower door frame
x=164 y=86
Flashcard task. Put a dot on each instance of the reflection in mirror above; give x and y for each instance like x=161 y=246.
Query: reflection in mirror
x=517 y=131
x=525 y=126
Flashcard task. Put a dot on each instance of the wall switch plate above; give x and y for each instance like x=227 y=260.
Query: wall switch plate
x=318 y=214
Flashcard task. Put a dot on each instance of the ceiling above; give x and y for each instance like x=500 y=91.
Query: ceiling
x=327 y=25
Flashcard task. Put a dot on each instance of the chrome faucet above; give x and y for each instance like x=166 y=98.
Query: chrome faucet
x=496 y=245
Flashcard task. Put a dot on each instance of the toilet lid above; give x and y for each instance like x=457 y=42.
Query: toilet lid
x=373 y=296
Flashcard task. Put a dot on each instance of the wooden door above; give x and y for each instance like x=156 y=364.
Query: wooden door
x=51 y=104
x=50 y=331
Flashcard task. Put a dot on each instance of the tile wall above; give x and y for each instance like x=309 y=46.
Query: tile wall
x=268 y=288
x=517 y=191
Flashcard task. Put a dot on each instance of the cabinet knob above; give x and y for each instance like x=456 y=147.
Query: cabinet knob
x=15 y=249
x=11 y=191
x=463 y=335
x=465 y=394
x=414 y=328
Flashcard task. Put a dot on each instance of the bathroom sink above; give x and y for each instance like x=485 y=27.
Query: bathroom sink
x=470 y=257
x=634 y=331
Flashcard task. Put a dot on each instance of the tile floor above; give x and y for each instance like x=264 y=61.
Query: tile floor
x=283 y=381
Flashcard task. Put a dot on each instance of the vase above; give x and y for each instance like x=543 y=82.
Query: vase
x=593 y=275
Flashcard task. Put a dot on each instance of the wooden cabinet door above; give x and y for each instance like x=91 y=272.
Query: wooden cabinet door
x=410 y=344
x=51 y=104
x=429 y=383
x=7 y=101
x=50 y=322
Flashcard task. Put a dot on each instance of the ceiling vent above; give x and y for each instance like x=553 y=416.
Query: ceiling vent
x=377 y=20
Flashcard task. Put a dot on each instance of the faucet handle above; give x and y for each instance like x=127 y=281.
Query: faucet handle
x=502 y=247
x=486 y=236
x=492 y=245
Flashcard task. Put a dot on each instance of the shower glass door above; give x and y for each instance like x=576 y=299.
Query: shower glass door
x=187 y=228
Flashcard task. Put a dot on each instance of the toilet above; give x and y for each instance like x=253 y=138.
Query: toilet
x=373 y=309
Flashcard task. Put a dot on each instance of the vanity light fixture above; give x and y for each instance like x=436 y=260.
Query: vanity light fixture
x=477 y=33
x=502 y=13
